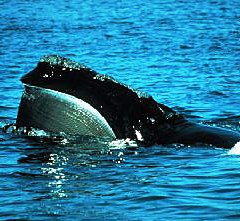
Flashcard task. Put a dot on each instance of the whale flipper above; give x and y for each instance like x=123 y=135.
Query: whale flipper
x=121 y=111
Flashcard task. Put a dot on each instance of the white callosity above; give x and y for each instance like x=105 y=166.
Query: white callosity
x=56 y=111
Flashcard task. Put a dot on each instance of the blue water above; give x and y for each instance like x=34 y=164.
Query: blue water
x=186 y=54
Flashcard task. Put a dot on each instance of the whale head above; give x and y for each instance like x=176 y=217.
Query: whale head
x=65 y=96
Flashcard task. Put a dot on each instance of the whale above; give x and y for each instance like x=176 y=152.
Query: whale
x=61 y=95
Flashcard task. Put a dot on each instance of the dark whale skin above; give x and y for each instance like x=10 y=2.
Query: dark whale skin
x=130 y=113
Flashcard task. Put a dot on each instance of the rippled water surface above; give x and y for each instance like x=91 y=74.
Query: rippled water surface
x=186 y=54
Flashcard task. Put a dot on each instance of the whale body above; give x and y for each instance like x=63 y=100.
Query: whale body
x=65 y=96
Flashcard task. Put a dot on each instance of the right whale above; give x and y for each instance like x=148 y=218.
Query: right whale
x=64 y=96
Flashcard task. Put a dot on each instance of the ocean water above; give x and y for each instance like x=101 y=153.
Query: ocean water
x=186 y=54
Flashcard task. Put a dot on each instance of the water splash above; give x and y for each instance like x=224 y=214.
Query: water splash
x=235 y=150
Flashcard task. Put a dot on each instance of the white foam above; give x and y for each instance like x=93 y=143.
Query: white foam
x=139 y=135
x=235 y=150
x=122 y=143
